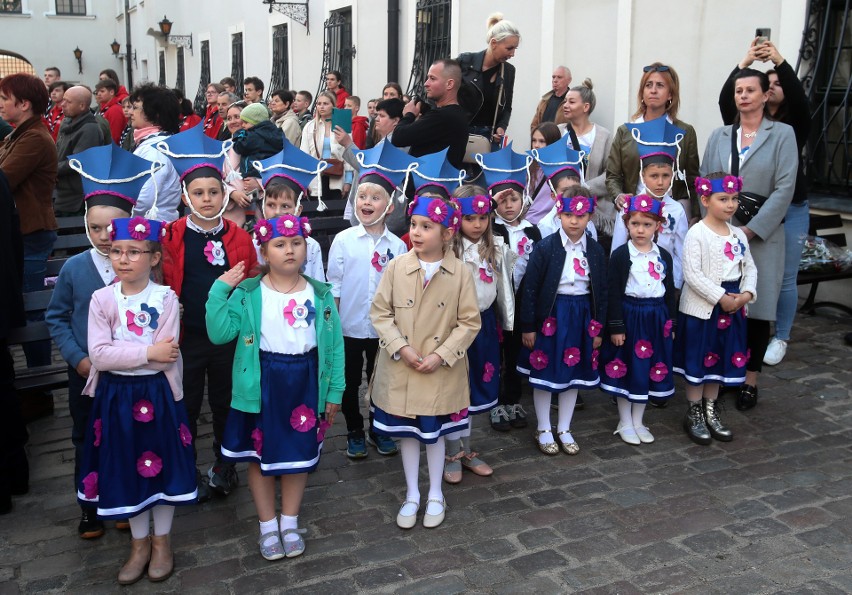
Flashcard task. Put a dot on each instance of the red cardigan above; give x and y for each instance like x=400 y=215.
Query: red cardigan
x=237 y=243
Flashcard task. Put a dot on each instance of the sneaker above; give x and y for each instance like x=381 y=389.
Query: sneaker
x=203 y=487
x=383 y=444
x=500 y=419
x=775 y=352
x=356 y=447
x=517 y=416
x=90 y=527
x=223 y=478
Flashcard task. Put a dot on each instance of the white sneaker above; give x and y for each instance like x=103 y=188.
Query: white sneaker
x=775 y=352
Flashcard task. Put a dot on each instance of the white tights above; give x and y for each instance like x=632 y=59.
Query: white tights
x=410 y=450
x=630 y=414
x=140 y=525
x=541 y=402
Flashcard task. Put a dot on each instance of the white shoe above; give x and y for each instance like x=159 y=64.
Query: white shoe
x=628 y=434
x=775 y=352
x=644 y=434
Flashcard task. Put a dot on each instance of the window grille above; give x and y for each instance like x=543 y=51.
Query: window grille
x=162 y=80
x=280 y=78
x=180 y=82
x=338 y=50
x=431 y=40
x=237 y=69
x=200 y=104
x=71 y=7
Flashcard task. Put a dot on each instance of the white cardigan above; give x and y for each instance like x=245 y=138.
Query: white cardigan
x=703 y=264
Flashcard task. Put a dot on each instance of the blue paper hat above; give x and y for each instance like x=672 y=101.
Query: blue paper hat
x=293 y=167
x=558 y=160
x=284 y=226
x=192 y=150
x=504 y=169
x=474 y=205
x=137 y=228
x=386 y=165
x=642 y=203
x=657 y=141
x=435 y=174
x=112 y=176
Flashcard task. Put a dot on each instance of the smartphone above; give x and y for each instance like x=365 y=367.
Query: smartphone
x=762 y=35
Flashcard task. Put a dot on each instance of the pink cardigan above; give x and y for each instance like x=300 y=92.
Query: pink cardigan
x=108 y=354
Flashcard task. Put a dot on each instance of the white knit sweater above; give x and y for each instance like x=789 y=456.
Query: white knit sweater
x=703 y=266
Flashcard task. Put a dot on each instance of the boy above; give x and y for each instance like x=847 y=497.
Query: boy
x=197 y=249
x=260 y=138
x=359 y=123
x=67 y=314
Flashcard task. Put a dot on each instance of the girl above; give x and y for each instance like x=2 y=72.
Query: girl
x=288 y=370
x=638 y=358
x=719 y=280
x=426 y=315
x=138 y=451
x=320 y=143
x=537 y=189
x=488 y=260
x=563 y=309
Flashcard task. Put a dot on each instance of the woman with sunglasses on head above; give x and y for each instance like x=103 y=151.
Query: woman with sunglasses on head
x=658 y=97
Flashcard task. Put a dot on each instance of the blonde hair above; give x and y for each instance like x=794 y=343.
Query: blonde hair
x=371 y=185
x=672 y=80
x=500 y=29
x=586 y=94
x=487 y=247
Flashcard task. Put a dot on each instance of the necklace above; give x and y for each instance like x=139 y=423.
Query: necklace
x=749 y=134
x=271 y=282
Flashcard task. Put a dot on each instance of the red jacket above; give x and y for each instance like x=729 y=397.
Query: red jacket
x=342 y=94
x=114 y=114
x=212 y=121
x=359 y=131
x=53 y=119
x=237 y=243
x=189 y=121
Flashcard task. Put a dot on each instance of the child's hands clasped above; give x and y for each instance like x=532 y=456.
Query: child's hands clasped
x=164 y=351
x=618 y=340
x=731 y=302
x=235 y=275
x=430 y=363
x=418 y=363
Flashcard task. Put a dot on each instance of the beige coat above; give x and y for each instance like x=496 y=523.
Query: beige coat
x=442 y=318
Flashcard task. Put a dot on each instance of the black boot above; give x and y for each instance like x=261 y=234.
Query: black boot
x=694 y=424
x=714 y=422
x=747 y=397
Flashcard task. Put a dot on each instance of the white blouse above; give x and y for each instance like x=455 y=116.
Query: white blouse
x=287 y=323
x=139 y=316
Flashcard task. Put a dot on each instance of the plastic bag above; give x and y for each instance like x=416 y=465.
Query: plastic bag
x=821 y=256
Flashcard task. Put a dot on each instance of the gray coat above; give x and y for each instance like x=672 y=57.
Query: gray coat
x=75 y=136
x=770 y=170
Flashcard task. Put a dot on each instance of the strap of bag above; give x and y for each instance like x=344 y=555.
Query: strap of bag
x=735 y=154
x=575 y=142
x=499 y=99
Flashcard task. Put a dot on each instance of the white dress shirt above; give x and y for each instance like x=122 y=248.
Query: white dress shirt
x=575 y=271
x=647 y=272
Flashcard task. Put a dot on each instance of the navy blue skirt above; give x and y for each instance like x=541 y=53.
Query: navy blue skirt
x=713 y=350
x=642 y=366
x=564 y=356
x=287 y=435
x=138 y=449
x=425 y=428
x=483 y=358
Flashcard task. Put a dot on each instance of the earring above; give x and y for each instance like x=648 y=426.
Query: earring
x=668 y=103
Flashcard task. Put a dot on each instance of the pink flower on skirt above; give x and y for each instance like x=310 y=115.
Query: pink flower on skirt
x=257 y=441
x=487 y=372
x=149 y=464
x=571 y=357
x=458 y=416
x=643 y=349
x=659 y=371
x=90 y=486
x=185 y=435
x=548 y=328
x=97 y=426
x=143 y=410
x=616 y=368
x=303 y=418
x=323 y=426
x=595 y=354
x=538 y=359
x=667 y=328
x=739 y=359
x=723 y=322
x=594 y=328
x=710 y=359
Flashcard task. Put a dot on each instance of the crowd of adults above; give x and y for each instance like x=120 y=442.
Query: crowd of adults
x=764 y=116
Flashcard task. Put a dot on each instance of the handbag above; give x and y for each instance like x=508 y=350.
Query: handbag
x=476 y=143
x=335 y=166
x=750 y=202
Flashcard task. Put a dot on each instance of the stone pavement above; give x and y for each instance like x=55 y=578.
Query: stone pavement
x=769 y=512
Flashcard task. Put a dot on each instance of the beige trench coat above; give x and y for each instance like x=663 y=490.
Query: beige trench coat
x=442 y=318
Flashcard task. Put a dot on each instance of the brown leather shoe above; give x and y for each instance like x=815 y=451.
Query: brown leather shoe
x=162 y=561
x=134 y=568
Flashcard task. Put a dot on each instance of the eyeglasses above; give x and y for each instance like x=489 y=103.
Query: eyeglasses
x=133 y=254
x=661 y=68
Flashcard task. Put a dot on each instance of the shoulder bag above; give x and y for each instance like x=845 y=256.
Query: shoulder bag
x=476 y=143
x=750 y=202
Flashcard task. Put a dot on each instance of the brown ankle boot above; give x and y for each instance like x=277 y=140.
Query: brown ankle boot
x=162 y=561
x=134 y=568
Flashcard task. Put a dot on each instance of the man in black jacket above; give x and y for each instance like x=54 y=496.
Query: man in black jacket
x=445 y=125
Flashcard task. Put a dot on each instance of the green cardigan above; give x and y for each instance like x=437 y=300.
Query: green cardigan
x=240 y=315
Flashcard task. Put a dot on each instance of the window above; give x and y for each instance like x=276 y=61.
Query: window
x=200 y=103
x=71 y=7
x=10 y=6
x=162 y=80
x=431 y=40
x=280 y=78
x=180 y=83
x=237 y=71
x=339 y=50
x=12 y=63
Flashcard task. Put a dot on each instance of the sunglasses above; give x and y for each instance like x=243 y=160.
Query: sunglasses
x=656 y=69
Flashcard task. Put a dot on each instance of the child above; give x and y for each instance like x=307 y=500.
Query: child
x=720 y=279
x=198 y=249
x=138 y=455
x=288 y=375
x=637 y=360
x=356 y=261
x=107 y=197
x=426 y=315
x=285 y=177
x=434 y=177
x=563 y=310
x=359 y=123
x=487 y=258
x=260 y=138
x=126 y=140
x=658 y=143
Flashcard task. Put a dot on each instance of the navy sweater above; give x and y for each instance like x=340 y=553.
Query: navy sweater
x=619 y=273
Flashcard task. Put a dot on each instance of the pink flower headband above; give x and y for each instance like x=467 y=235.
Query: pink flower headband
x=438 y=211
x=642 y=203
x=285 y=226
x=728 y=185
x=475 y=205
x=576 y=205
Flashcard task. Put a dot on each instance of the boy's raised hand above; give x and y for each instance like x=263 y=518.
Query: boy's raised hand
x=235 y=275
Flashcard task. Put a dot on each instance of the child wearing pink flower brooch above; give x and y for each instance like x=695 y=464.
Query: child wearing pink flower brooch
x=138 y=447
x=563 y=310
x=487 y=257
x=287 y=375
x=637 y=360
x=719 y=280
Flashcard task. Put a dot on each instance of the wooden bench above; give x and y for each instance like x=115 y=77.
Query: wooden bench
x=41 y=377
x=817 y=224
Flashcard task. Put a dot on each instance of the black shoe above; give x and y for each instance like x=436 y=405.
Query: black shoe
x=223 y=478
x=714 y=422
x=517 y=416
x=90 y=527
x=658 y=403
x=695 y=426
x=581 y=404
x=500 y=418
x=747 y=397
x=203 y=486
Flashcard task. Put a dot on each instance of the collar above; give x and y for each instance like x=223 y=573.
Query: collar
x=634 y=251
x=361 y=231
x=566 y=241
x=521 y=223
x=412 y=263
x=190 y=224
